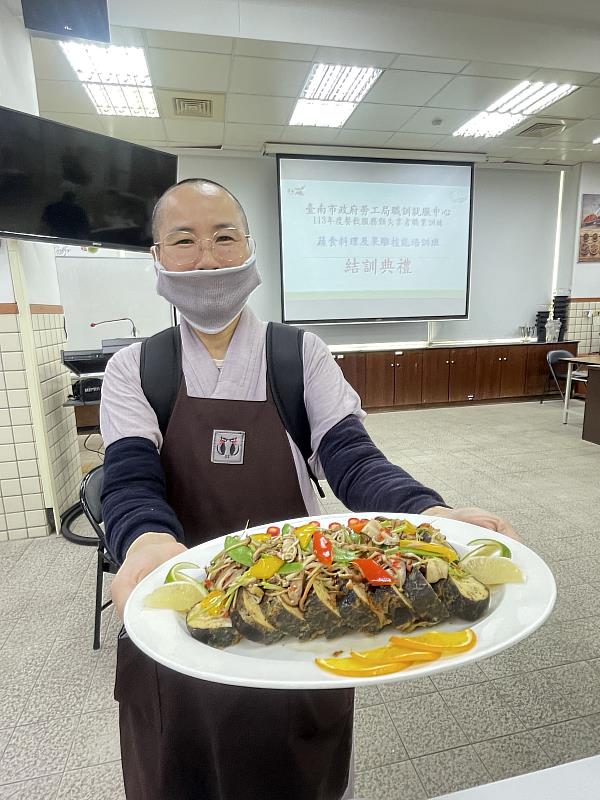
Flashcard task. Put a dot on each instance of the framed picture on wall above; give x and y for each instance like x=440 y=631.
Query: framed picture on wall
x=589 y=228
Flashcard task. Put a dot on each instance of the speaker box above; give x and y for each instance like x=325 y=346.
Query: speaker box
x=69 y=19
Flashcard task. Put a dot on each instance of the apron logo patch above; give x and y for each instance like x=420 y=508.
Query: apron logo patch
x=228 y=447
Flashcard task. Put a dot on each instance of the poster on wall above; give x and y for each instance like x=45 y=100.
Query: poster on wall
x=589 y=229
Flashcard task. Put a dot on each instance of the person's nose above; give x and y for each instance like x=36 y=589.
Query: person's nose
x=206 y=259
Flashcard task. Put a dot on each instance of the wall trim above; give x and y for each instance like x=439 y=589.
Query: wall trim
x=9 y=308
x=41 y=308
x=585 y=299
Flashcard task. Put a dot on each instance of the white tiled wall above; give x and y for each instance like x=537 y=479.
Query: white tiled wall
x=22 y=502
x=581 y=327
x=49 y=335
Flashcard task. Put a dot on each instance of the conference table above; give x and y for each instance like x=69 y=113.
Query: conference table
x=588 y=360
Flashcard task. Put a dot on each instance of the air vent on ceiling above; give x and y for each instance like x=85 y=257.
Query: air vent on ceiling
x=541 y=129
x=193 y=107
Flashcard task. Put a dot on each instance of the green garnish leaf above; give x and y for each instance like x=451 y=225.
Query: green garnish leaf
x=288 y=568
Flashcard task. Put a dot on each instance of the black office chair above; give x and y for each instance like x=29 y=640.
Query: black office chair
x=89 y=497
x=559 y=373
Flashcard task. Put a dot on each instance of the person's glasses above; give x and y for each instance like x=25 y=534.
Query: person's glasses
x=229 y=246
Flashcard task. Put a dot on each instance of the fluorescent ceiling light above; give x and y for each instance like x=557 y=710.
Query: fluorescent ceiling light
x=324 y=113
x=596 y=141
x=513 y=107
x=115 y=78
x=487 y=125
x=331 y=93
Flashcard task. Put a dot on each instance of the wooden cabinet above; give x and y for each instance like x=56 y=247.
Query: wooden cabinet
x=379 y=378
x=537 y=366
x=436 y=373
x=461 y=378
x=512 y=378
x=500 y=372
x=353 y=367
x=408 y=370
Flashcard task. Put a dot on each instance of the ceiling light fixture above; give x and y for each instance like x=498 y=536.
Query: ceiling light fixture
x=115 y=78
x=525 y=99
x=596 y=141
x=331 y=93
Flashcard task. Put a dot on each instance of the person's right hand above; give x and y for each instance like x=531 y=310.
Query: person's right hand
x=147 y=552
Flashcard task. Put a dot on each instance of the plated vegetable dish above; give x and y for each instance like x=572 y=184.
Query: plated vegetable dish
x=308 y=582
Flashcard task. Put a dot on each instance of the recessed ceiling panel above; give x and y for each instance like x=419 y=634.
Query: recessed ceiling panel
x=64 y=97
x=581 y=104
x=181 y=69
x=486 y=70
x=194 y=132
x=360 y=58
x=449 y=121
x=288 y=50
x=563 y=76
x=304 y=134
x=415 y=141
x=472 y=93
x=197 y=42
x=135 y=129
x=427 y=64
x=403 y=88
x=240 y=135
x=49 y=61
x=363 y=138
x=380 y=117
x=267 y=76
x=259 y=110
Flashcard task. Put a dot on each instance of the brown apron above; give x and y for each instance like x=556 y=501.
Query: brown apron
x=186 y=739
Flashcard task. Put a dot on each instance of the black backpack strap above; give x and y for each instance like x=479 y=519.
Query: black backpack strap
x=285 y=373
x=160 y=373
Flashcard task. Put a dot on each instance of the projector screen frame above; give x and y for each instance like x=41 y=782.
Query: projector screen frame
x=368 y=320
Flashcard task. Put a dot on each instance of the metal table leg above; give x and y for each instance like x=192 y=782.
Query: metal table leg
x=567 y=392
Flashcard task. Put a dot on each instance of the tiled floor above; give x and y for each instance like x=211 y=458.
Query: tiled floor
x=533 y=706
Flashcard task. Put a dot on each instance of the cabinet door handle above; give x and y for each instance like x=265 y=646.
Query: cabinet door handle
x=447 y=362
x=499 y=359
x=504 y=359
x=392 y=364
x=452 y=362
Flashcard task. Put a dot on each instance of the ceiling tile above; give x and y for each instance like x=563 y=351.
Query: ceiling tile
x=472 y=93
x=379 y=117
x=89 y=122
x=400 y=87
x=259 y=110
x=287 y=50
x=194 y=42
x=361 y=58
x=485 y=69
x=582 y=132
x=181 y=69
x=563 y=76
x=64 y=96
x=49 y=61
x=132 y=37
x=424 y=64
x=415 y=141
x=304 y=134
x=363 y=138
x=135 y=129
x=266 y=76
x=467 y=145
x=421 y=122
x=240 y=135
x=194 y=132
x=581 y=104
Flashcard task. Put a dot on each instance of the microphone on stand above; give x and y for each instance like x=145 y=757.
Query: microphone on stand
x=119 y=319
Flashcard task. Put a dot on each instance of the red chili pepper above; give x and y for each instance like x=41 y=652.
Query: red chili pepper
x=322 y=548
x=273 y=530
x=356 y=524
x=373 y=573
x=334 y=526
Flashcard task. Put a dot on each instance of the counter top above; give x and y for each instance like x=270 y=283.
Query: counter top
x=385 y=346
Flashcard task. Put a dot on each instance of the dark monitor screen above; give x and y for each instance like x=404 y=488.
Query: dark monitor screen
x=67 y=185
x=83 y=19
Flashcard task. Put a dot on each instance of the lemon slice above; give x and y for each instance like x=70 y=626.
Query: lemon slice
x=176 y=572
x=177 y=596
x=493 y=570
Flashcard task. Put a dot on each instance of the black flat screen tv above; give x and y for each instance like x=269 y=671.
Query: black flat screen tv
x=70 y=186
x=83 y=19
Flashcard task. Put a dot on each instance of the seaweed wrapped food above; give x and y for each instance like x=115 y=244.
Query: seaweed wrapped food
x=309 y=582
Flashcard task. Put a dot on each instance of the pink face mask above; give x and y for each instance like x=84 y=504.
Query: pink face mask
x=209 y=299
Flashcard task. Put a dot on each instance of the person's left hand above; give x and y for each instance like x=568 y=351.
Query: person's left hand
x=476 y=516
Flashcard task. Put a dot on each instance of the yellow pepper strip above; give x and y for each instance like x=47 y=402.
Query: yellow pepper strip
x=405 y=527
x=214 y=603
x=304 y=534
x=261 y=538
x=426 y=548
x=265 y=567
x=438 y=641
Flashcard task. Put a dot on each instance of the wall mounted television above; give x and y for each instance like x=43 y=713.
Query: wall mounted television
x=369 y=240
x=82 y=19
x=65 y=185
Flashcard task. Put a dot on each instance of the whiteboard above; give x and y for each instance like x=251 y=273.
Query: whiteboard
x=106 y=285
